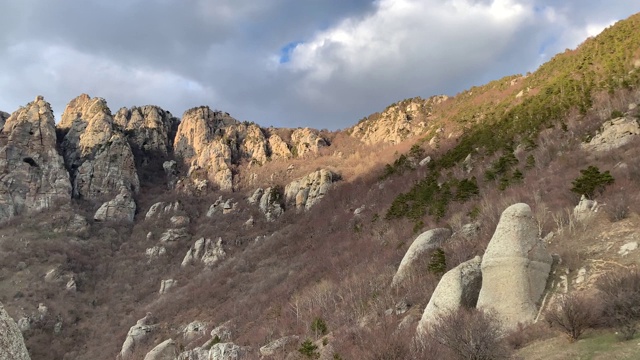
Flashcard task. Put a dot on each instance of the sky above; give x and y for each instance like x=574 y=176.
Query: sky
x=287 y=63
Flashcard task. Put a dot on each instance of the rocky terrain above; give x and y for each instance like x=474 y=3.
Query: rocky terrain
x=140 y=235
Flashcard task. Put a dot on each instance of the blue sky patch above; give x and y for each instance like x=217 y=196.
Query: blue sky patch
x=285 y=51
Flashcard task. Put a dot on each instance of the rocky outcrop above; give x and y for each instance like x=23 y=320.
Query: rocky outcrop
x=221 y=206
x=397 y=122
x=305 y=141
x=279 y=149
x=459 y=287
x=160 y=209
x=424 y=243
x=515 y=268
x=614 y=134
x=305 y=192
x=166 y=285
x=219 y=351
x=137 y=333
x=122 y=208
x=206 y=251
x=32 y=173
x=585 y=209
x=3 y=118
x=11 y=341
x=268 y=202
x=150 y=131
x=280 y=346
x=194 y=330
x=254 y=144
x=97 y=154
x=166 y=350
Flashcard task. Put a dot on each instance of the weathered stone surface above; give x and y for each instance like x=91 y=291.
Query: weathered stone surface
x=194 y=330
x=207 y=251
x=425 y=242
x=160 y=209
x=171 y=173
x=166 y=285
x=154 y=253
x=11 y=340
x=585 y=209
x=280 y=346
x=305 y=192
x=171 y=235
x=459 y=287
x=137 y=333
x=122 y=208
x=278 y=148
x=150 y=131
x=97 y=154
x=397 y=122
x=227 y=351
x=614 y=134
x=33 y=177
x=268 y=202
x=254 y=144
x=515 y=268
x=166 y=350
x=3 y=118
x=201 y=144
x=306 y=140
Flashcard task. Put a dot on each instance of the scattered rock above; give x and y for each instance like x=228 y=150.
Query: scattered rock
x=223 y=332
x=162 y=208
x=166 y=350
x=425 y=161
x=11 y=340
x=359 y=210
x=627 y=248
x=179 y=221
x=122 y=208
x=614 y=134
x=305 y=192
x=585 y=209
x=165 y=285
x=172 y=235
x=206 y=251
x=425 y=242
x=280 y=346
x=195 y=330
x=582 y=276
x=137 y=333
x=155 y=252
x=228 y=351
x=515 y=268
x=459 y=287
x=33 y=176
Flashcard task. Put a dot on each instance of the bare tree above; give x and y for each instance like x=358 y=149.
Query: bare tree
x=573 y=314
x=621 y=300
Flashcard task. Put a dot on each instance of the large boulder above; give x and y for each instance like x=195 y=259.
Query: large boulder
x=166 y=350
x=459 y=287
x=515 y=268
x=95 y=151
x=306 y=140
x=268 y=201
x=32 y=173
x=585 y=209
x=11 y=342
x=205 y=251
x=278 y=148
x=137 y=334
x=305 y=192
x=122 y=208
x=424 y=243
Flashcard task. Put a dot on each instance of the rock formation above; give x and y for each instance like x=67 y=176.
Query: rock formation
x=425 y=242
x=150 y=131
x=515 y=268
x=397 y=122
x=278 y=148
x=96 y=153
x=33 y=176
x=3 y=117
x=166 y=350
x=268 y=202
x=206 y=251
x=160 y=209
x=459 y=287
x=219 y=351
x=305 y=192
x=122 y=208
x=614 y=134
x=280 y=346
x=11 y=341
x=137 y=333
x=585 y=209
x=166 y=285
x=306 y=140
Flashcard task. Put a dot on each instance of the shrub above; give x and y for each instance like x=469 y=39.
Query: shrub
x=438 y=262
x=319 y=326
x=621 y=300
x=591 y=181
x=309 y=349
x=471 y=334
x=573 y=315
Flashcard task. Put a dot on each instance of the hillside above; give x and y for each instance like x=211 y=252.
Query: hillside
x=209 y=238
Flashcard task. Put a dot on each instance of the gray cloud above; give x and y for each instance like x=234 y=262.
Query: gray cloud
x=346 y=59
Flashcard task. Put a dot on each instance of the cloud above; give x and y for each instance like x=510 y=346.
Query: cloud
x=321 y=63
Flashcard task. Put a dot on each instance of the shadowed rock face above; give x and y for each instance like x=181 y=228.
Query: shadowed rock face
x=97 y=154
x=33 y=174
x=11 y=341
x=515 y=268
x=459 y=287
x=305 y=192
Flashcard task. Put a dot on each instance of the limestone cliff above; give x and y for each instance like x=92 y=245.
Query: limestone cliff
x=33 y=174
x=97 y=154
x=397 y=122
